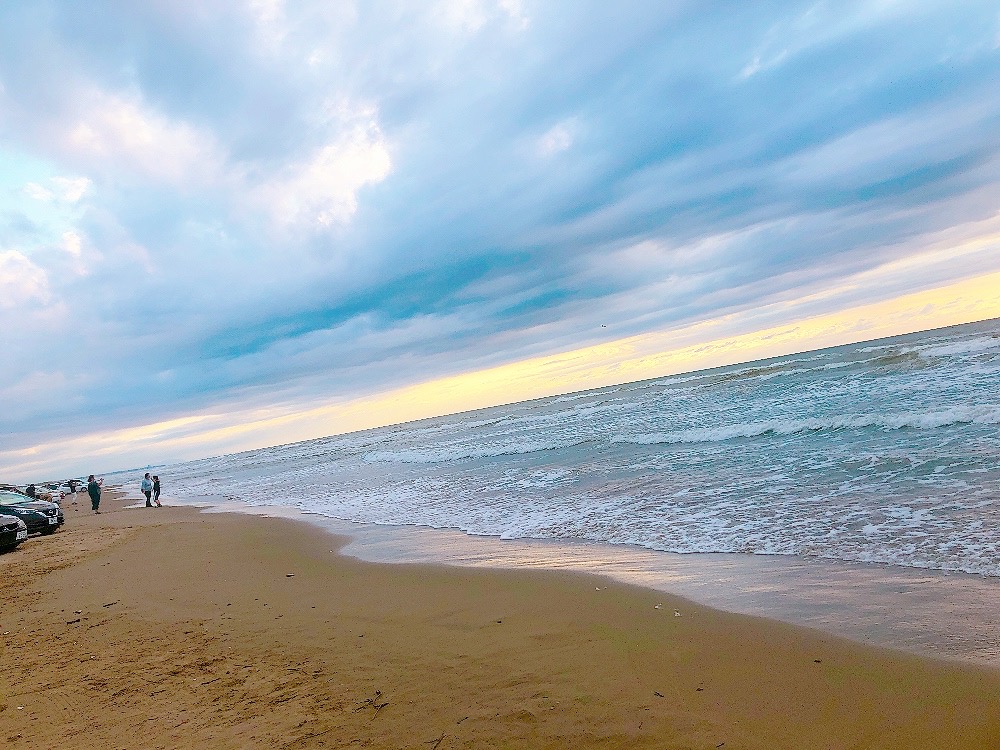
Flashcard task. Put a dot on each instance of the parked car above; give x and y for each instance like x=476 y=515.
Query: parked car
x=13 y=531
x=49 y=492
x=39 y=516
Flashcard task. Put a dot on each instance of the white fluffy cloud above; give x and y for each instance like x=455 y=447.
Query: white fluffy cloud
x=61 y=189
x=558 y=138
x=71 y=189
x=473 y=15
x=122 y=132
x=321 y=190
x=39 y=193
x=21 y=281
x=72 y=243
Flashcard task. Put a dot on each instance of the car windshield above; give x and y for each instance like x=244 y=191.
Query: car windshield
x=12 y=498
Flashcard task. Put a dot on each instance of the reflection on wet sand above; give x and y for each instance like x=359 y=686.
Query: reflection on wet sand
x=926 y=612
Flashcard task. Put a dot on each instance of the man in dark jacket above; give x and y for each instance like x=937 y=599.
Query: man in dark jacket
x=94 y=490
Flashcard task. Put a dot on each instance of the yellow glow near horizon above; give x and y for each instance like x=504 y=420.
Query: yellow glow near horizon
x=702 y=345
x=650 y=355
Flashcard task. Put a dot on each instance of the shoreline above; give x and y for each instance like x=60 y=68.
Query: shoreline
x=934 y=613
x=228 y=631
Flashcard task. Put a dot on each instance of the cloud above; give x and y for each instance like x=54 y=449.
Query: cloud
x=121 y=131
x=473 y=15
x=62 y=189
x=321 y=191
x=270 y=18
x=21 y=281
x=558 y=138
x=71 y=189
x=72 y=243
x=37 y=192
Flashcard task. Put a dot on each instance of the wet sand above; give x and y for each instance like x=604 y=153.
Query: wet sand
x=928 y=612
x=170 y=628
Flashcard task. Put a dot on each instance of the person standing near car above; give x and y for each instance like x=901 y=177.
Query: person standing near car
x=94 y=490
x=156 y=491
x=146 y=485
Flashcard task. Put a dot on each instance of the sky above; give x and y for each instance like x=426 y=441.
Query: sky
x=226 y=224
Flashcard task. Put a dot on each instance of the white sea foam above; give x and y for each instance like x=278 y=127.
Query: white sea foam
x=782 y=373
x=569 y=397
x=971 y=346
x=460 y=452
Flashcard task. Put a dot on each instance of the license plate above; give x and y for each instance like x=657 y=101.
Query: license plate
x=22 y=535
x=52 y=520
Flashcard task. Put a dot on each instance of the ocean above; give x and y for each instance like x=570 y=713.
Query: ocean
x=880 y=452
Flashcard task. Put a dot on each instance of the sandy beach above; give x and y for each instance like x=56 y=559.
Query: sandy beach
x=171 y=628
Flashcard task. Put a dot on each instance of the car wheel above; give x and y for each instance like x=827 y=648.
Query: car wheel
x=48 y=531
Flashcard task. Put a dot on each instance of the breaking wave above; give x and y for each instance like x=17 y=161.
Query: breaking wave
x=926 y=420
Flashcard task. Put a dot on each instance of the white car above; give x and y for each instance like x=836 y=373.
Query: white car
x=53 y=495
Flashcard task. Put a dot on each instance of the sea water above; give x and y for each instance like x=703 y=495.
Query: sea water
x=880 y=452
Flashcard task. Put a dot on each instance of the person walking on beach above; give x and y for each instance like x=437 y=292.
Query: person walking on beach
x=94 y=490
x=146 y=485
x=156 y=491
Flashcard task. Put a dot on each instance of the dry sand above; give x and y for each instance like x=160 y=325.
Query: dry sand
x=169 y=628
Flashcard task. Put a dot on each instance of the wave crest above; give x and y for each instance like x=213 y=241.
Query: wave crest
x=459 y=452
x=925 y=420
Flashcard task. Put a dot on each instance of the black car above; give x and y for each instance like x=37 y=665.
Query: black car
x=40 y=516
x=13 y=531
